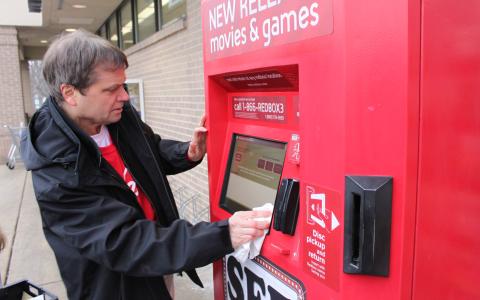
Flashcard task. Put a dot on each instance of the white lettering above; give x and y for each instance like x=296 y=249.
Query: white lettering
x=233 y=38
x=316 y=242
x=219 y=15
x=316 y=257
x=222 y=14
x=285 y=17
x=288 y=22
x=314 y=14
x=302 y=17
x=272 y=3
x=212 y=17
x=229 y=12
x=261 y=7
x=243 y=9
x=249 y=8
x=266 y=32
x=319 y=235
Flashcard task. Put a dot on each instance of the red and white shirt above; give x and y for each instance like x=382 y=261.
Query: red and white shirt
x=110 y=153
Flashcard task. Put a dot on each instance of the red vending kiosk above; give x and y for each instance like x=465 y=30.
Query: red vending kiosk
x=360 y=122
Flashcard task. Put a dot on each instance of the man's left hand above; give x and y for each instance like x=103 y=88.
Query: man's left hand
x=198 y=145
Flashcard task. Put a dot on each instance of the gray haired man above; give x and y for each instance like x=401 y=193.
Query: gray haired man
x=99 y=175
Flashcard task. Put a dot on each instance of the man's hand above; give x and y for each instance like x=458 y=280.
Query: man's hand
x=244 y=228
x=198 y=145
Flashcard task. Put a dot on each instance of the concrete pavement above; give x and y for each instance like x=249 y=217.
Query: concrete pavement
x=27 y=254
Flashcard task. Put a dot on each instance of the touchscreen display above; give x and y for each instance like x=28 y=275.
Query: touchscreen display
x=254 y=170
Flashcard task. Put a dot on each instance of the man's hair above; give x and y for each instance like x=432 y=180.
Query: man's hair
x=72 y=59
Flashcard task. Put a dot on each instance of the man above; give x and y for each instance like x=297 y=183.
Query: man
x=99 y=175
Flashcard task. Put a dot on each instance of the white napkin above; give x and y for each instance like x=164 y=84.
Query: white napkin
x=252 y=248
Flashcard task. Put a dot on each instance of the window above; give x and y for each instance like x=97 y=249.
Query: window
x=139 y=19
x=145 y=18
x=172 y=10
x=103 y=32
x=113 y=30
x=126 y=26
x=135 y=92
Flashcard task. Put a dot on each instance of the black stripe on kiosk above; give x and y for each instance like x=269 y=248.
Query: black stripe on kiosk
x=285 y=211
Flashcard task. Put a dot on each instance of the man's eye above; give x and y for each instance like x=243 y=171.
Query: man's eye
x=111 y=90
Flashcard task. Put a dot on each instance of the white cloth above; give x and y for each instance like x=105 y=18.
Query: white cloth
x=103 y=137
x=252 y=248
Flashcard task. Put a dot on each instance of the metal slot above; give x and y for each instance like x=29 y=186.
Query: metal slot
x=356 y=230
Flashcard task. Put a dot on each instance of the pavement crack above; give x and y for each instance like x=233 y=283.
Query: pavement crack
x=15 y=228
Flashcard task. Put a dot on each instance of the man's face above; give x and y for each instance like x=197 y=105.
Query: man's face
x=102 y=102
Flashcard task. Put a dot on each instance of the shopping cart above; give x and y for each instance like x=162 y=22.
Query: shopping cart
x=25 y=290
x=14 y=152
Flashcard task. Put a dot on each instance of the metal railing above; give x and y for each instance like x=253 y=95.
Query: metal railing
x=190 y=207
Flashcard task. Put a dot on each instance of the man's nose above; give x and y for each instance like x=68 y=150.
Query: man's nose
x=123 y=95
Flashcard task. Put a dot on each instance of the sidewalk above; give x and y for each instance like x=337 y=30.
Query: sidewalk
x=27 y=254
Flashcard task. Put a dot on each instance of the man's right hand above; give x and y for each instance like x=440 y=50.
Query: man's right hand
x=244 y=228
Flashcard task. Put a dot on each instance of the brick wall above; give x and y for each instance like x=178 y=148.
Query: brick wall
x=11 y=100
x=170 y=63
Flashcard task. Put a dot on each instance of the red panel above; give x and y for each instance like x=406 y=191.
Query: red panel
x=358 y=96
x=382 y=65
x=448 y=227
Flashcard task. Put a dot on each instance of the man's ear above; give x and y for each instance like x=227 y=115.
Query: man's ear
x=69 y=93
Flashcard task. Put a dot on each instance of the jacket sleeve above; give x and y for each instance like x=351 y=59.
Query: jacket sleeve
x=173 y=154
x=116 y=235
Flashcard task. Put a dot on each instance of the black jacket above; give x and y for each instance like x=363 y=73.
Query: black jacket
x=104 y=246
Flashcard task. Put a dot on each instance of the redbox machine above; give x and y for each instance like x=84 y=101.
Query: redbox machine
x=359 y=122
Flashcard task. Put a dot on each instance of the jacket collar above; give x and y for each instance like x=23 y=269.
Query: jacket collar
x=77 y=135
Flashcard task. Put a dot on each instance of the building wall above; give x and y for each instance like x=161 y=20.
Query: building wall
x=170 y=63
x=27 y=92
x=12 y=112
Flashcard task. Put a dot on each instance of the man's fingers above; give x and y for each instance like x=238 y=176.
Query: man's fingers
x=247 y=231
x=248 y=225
x=203 y=120
x=199 y=133
x=262 y=224
x=247 y=235
x=261 y=213
x=200 y=129
x=252 y=214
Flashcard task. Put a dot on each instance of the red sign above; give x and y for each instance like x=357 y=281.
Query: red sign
x=322 y=237
x=237 y=26
x=266 y=108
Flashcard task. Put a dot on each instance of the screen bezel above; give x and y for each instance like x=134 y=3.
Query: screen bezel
x=233 y=207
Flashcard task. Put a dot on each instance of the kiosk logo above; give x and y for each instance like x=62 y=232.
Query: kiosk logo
x=321 y=244
x=318 y=213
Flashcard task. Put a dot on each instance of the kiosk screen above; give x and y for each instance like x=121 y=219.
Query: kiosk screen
x=254 y=170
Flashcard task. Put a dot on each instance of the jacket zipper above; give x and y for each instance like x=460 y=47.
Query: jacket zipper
x=118 y=179
x=156 y=164
x=134 y=178
x=114 y=175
